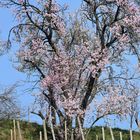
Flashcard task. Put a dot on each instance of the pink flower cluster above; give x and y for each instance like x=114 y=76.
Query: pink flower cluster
x=64 y=70
x=21 y=1
x=34 y=53
x=72 y=106
x=129 y=19
x=53 y=16
x=113 y=101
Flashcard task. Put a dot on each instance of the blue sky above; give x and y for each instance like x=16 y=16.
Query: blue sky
x=8 y=74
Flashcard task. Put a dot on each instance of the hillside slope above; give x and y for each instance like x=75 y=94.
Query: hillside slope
x=30 y=131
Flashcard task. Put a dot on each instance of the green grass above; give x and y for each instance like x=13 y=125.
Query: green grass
x=116 y=132
x=30 y=131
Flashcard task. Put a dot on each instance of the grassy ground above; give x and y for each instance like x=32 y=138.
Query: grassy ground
x=30 y=131
x=116 y=131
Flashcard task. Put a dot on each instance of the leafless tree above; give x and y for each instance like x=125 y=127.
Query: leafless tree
x=8 y=104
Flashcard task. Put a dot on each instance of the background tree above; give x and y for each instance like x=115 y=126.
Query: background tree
x=8 y=101
x=81 y=65
x=8 y=104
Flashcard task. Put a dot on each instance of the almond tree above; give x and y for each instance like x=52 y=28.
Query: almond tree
x=80 y=61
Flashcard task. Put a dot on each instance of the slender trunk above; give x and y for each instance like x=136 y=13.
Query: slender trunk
x=14 y=122
x=103 y=133
x=131 y=136
x=11 y=132
x=45 y=131
x=120 y=135
x=66 y=131
x=81 y=131
x=97 y=137
x=40 y=135
x=111 y=132
x=19 y=130
x=52 y=129
x=72 y=138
